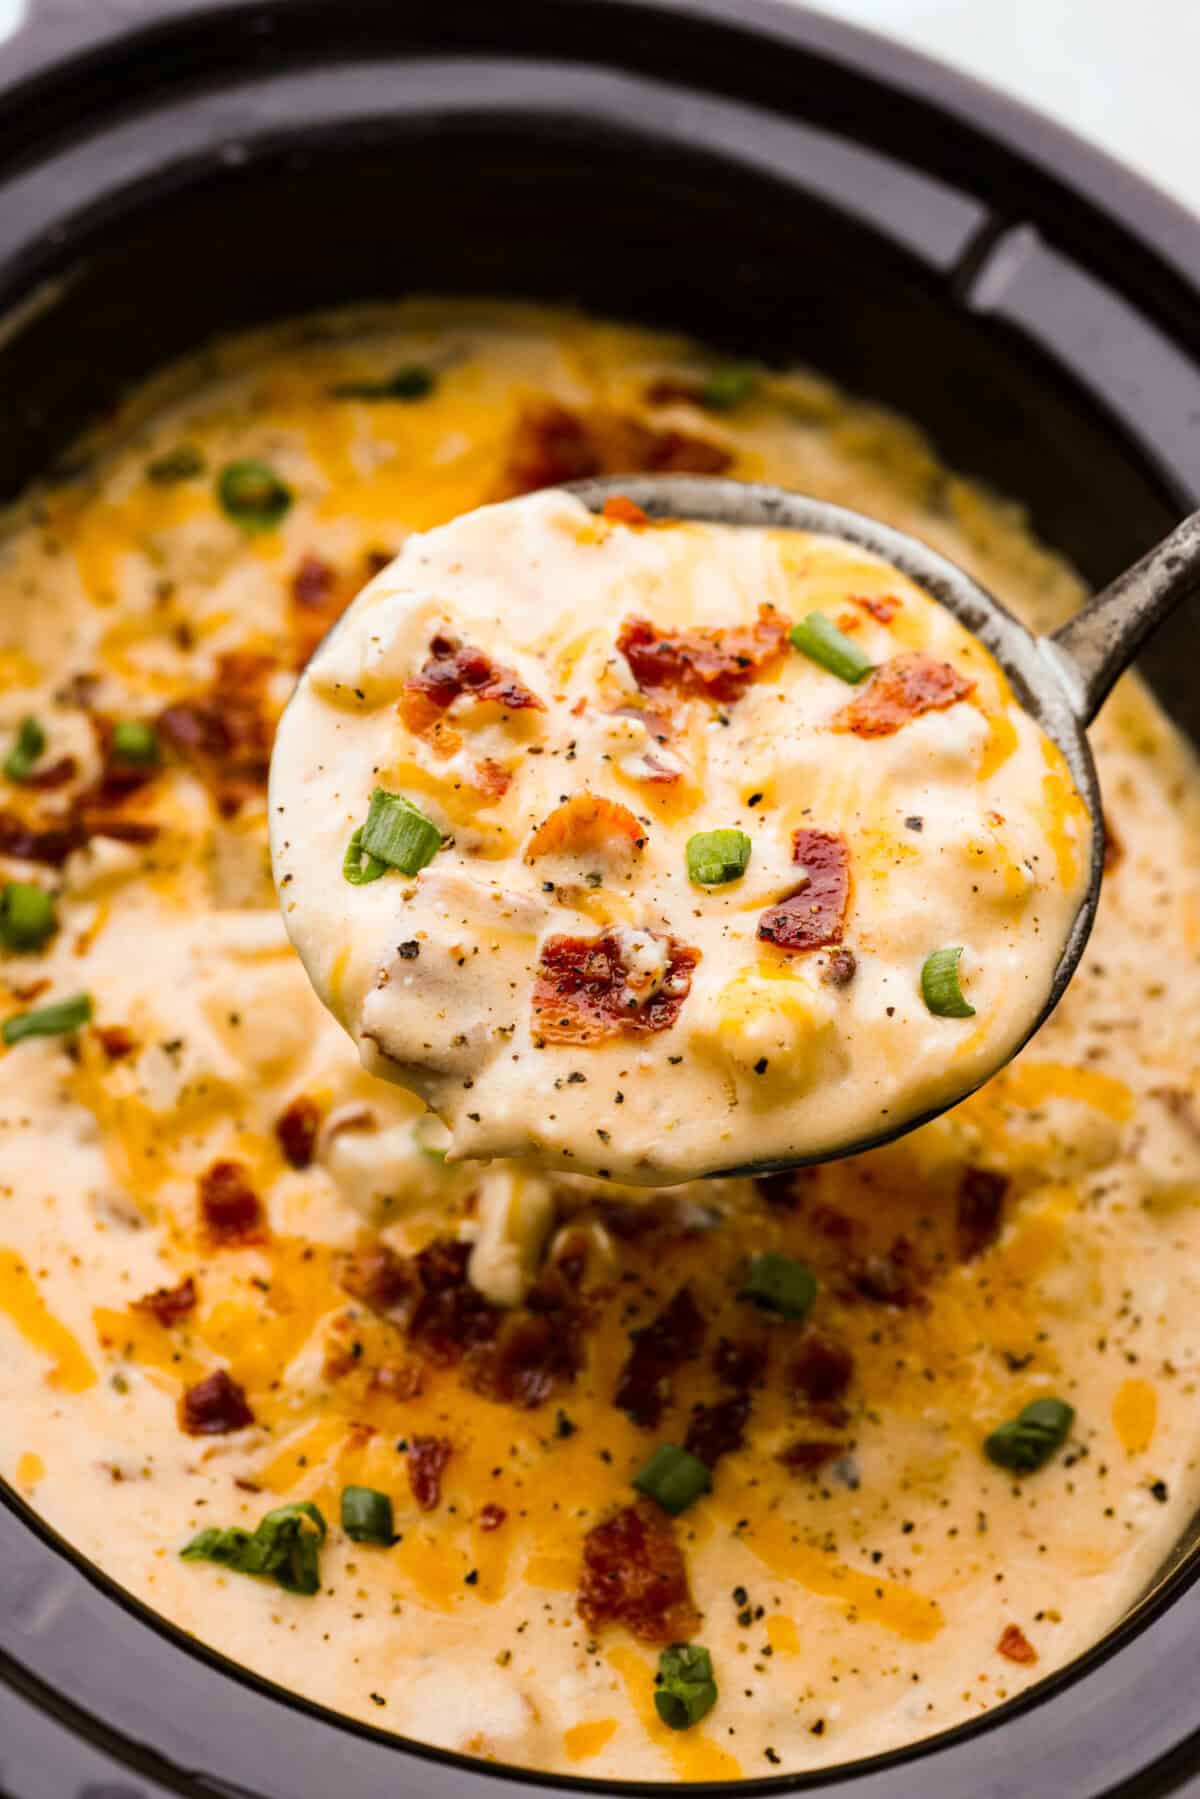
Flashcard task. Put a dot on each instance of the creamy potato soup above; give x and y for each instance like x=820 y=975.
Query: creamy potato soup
x=725 y=1480
x=673 y=896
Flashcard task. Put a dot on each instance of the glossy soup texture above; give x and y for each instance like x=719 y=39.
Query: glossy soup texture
x=667 y=889
x=237 y=1275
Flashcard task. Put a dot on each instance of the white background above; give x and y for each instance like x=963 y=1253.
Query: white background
x=1122 y=72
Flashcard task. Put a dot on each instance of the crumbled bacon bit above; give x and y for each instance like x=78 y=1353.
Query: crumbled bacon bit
x=804 y=1457
x=1016 y=1646
x=321 y=593
x=717 y=1430
x=822 y=1368
x=427 y=1459
x=491 y=1517
x=815 y=916
x=709 y=663
x=619 y=509
x=449 y=1317
x=883 y=609
x=634 y=1574
x=297 y=1129
x=840 y=969
x=49 y=842
x=169 y=1304
x=582 y=992
x=453 y=669
x=214 y=1406
x=551 y=446
x=892 y=1279
x=52 y=774
x=399 y=1380
x=116 y=1040
x=535 y=1349
x=225 y=730
x=671 y=390
x=380 y=1279
x=739 y=1364
x=899 y=691
x=979 y=1211
x=587 y=823
x=230 y=1208
x=675 y=1336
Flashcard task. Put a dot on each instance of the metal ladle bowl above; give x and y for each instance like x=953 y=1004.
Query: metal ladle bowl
x=1061 y=680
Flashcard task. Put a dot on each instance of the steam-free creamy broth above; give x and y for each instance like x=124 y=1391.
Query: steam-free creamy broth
x=674 y=892
x=236 y=1274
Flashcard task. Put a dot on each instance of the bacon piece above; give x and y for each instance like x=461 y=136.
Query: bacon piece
x=320 y=593
x=582 y=992
x=815 y=915
x=49 y=841
x=675 y=1336
x=225 y=730
x=899 y=691
x=491 y=1517
x=52 y=775
x=427 y=1459
x=634 y=1574
x=534 y=1350
x=550 y=446
x=169 y=1304
x=399 y=1380
x=587 y=823
x=380 y=1279
x=231 y=1209
x=214 y=1406
x=979 y=1211
x=1016 y=1646
x=709 y=663
x=297 y=1129
x=893 y=1279
x=452 y=669
x=116 y=1040
x=449 y=1317
x=840 y=969
x=804 y=1457
x=741 y=1364
x=717 y=1430
x=619 y=509
x=822 y=1369
x=882 y=609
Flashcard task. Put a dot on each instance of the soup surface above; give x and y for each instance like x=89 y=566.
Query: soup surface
x=677 y=892
x=236 y=1273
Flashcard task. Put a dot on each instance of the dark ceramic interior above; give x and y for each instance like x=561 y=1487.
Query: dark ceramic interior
x=761 y=176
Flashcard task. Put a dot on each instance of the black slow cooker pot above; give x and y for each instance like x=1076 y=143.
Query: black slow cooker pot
x=766 y=178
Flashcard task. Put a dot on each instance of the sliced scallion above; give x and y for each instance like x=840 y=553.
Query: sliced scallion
x=714 y=857
x=358 y=865
x=674 y=1478
x=821 y=641
x=412 y=382
x=252 y=495
x=399 y=833
x=27 y=915
x=56 y=1020
x=284 y=1548
x=1026 y=1442
x=28 y=745
x=729 y=386
x=685 y=1690
x=780 y=1284
x=367 y=1516
x=940 y=987
x=133 y=740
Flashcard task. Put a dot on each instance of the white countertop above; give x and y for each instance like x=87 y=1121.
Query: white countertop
x=1122 y=74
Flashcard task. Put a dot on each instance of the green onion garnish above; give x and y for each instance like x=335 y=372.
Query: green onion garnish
x=1027 y=1441
x=939 y=984
x=56 y=1020
x=398 y=833
x=28 y=745
x=367 y=1516
x=685 y=1690
x=780 y=1284
x=133 y=740
x=252 y=495
x=358 y=865
x=413 y=382
x=674 y=1478
x=27 y=915
x=822 y=642
x=714 y=857
x=284 y=1548
x=182 y=463
x=727 y=387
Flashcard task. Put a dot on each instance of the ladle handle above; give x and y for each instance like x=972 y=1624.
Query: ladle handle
x=1100 y=642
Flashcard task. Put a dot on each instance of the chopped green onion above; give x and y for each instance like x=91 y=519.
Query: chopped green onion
x=822 y=642
x=367 y=1516
x=939 y=984
x=674 y=1478
x=358 y=865
x=780 y=1284
x=27 y=915
x=399 y=833
x=409 y=383
x=28 y=745
x=685 y=1690
x=133 y=740
x=1027 y=1441
x=180 y=464
x=727 y=387
x=284 y=1548
x=252 y=495
x=714 y=857
x=56 y=1020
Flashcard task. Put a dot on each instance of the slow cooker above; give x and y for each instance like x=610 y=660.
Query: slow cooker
x=772 y=181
